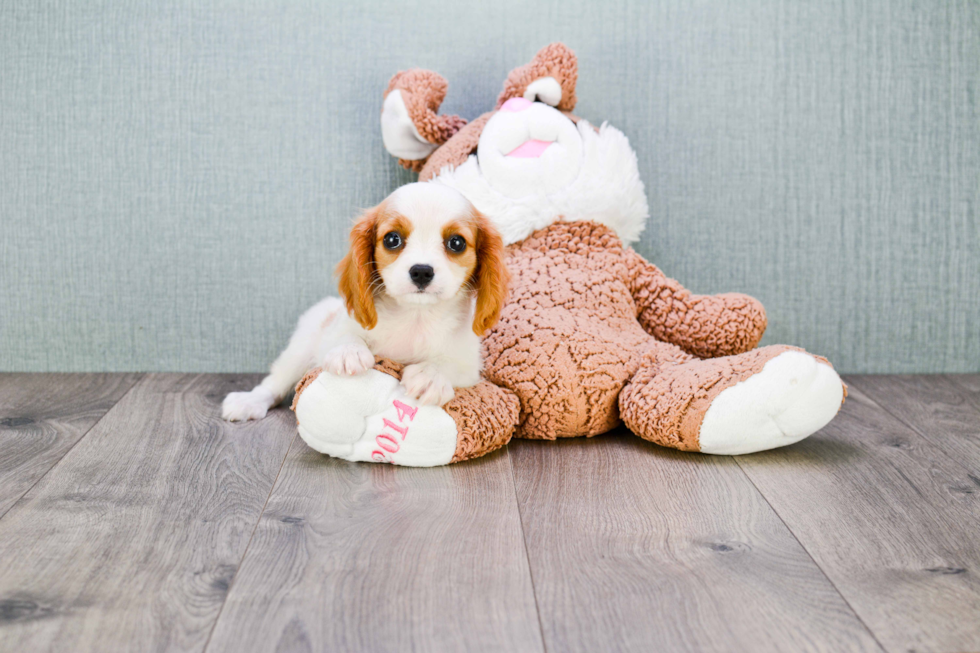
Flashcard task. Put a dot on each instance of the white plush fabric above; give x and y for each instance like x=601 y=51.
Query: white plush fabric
x=398 y=132
x=345 y=416
x=607 y=190
x=546 y=89
x=792 y=397
x=519 y=178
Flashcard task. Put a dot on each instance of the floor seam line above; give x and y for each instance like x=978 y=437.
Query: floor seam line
x=816 y=564
x=241 y=561
x=527 y=556
x=75 y=444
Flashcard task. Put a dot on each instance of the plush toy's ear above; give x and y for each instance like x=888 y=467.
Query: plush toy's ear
x=357 y=272
x=410 y=127
x=549 y=78
x=491 y=275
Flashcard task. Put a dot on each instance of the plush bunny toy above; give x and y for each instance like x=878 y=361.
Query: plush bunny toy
x=592 y=335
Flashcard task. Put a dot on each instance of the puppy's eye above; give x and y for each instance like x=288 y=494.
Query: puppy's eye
x=456 y=244
x=392 y=240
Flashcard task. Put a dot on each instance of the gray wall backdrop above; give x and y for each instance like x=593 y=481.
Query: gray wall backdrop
x=177 y=179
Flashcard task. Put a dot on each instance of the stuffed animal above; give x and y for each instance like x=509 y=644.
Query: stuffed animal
x=592 y=335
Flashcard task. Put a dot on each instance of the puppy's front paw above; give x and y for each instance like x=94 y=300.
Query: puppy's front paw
x=243 y=406
x=427 y=384
x=348 y=359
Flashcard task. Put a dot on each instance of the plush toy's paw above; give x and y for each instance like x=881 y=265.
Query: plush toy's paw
x=794 y=395
x=427 y=384
x=348 y=359
x=243 y=406
x=369 y=417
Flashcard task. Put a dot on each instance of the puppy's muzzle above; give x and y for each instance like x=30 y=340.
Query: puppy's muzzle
x=421 y=275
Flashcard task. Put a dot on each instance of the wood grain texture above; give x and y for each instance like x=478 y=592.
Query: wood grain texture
x=934 y=407
x=890 y=518
x=969 y=384
x=361 y=557
x=639 y=548
x=131 y=542
x=42 y=416
x=145 y=534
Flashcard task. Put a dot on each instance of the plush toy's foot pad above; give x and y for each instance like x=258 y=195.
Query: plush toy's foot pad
x=794 y=395
x=764 y=398
x=368 y=417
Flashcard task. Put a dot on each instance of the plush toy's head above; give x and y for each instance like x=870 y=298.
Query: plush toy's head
x=529 y=162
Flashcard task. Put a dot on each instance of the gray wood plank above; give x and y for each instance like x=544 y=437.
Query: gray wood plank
x=969 y=384
x=131 y=542
x=933 y=406
x=891 y=520
x=42 y=416
x=638 y=548
x=364 y=557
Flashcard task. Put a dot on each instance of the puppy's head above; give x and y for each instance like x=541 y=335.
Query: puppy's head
x=423 y=245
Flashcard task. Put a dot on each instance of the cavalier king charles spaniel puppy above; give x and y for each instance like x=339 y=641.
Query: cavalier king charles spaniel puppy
x=424 y=278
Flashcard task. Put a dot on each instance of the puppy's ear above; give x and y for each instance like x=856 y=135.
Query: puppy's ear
x=357 y=272
x=491 y=275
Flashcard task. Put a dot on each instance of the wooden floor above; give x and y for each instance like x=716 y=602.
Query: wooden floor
x=132 y=518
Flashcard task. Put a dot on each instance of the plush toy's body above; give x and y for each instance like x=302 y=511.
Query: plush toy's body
x=592 y=334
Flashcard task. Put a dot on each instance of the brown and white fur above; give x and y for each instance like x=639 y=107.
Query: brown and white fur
x=418 y=303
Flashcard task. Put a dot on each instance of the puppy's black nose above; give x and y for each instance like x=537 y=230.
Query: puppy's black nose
x=421 y=275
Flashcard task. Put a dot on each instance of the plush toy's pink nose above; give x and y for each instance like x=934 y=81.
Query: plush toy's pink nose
x=516 y=104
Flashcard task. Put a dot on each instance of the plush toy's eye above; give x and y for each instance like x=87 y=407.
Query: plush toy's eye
x=456 y=244
x=392 y=240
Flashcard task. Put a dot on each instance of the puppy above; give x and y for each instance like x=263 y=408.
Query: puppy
x=424 y=278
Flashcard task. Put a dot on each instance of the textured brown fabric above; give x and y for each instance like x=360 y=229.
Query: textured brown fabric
x=704 y=325
x=665 y=402
x=555 y=60
x=485 y=417
x=388 y=367
x=414 y=166
x=569 y=338
x=456 y=149
x=423 y=91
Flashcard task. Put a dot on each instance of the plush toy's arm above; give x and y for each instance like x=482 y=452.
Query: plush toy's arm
x=704 y=325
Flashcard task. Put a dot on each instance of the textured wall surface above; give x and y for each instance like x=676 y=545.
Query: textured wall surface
x=177 y=179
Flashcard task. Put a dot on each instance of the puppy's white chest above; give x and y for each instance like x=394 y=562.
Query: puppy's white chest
x=412 y=337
